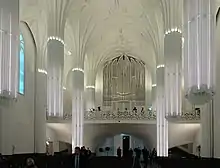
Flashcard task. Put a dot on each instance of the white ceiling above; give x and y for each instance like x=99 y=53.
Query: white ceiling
x=103 y=29
x=100 y=29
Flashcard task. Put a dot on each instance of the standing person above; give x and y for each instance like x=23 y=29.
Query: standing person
x=30 y=163
x=153 y=156
x=136 y=158
x=79 y=161
x=145 y=156
x=130 y=153
x=119 y=152
x=89 y=153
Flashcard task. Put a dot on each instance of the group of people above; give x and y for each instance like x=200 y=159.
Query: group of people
x=141 y=158
x=80 y=157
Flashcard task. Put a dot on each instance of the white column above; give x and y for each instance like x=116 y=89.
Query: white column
x=206 y=127
x=199 y=63
x=217 y=98
x=77 y=107
x=55 y=56
x=90 y=89
x=9 y=42
x=40 y=112
x=148 y=88
x=90 y=97
x=99 y=87
x=199 y=50
x=173 y=78
x=154 y=91
x=162 y=124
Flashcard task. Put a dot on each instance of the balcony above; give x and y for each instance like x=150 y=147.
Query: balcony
x=96 y=116
x=120 y=117
x=185 y=117
x=148 y=117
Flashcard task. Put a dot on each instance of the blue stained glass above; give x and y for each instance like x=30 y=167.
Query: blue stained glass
x=21 y=66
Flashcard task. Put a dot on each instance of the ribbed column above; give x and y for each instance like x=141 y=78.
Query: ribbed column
x=199 y=53
x=154 y=91
x=148 y=88
x=77 y=107
x=40 y=112
x=90 y=89
x=162 y=124
x=199 y=63
x=173 y=66
x=57 y=12
x=206 y=127
x=90 y=97
x=217 y=98
x=9 y=37
x=55 y=55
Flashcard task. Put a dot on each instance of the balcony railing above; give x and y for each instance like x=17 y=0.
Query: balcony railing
x=132 y=115
x=185 y=116
x=119 y=115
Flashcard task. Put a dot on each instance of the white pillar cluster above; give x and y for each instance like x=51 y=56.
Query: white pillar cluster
x=57 y=14
x=199 y=64
x=148 y=88
x=55 y=65
x=90 y=89
x=173 y=77
x=77 y=107
x=217 y=97
x=162 y=123
x=154 y=90
x=9 y=47
x=206 y=130
x=40 y=114
x=199 y=50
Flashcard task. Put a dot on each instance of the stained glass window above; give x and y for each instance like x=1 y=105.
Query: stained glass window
x=21 y=67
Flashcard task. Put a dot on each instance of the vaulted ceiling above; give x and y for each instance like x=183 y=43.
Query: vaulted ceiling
x=99 y=29
x=103 y=29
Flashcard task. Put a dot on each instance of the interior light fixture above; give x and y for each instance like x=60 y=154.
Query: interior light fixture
x=42 y=71
x=90 y=87
x=55 y=38
x=154 y=85
x=160 y=66
x=78 y=69
x=173 y=30
x=69 y=53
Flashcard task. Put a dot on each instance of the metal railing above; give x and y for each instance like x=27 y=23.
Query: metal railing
x=185 y=116
x=120 y=115
x=132 y=115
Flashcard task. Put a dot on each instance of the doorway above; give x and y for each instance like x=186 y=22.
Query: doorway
x=126 y=145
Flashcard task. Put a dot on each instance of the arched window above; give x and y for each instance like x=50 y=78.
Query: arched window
x=21 y=67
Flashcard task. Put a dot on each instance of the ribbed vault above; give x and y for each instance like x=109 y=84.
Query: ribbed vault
x=99 y=29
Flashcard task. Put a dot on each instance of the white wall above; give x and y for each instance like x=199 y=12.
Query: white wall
x=118 y=142
x=197 y=141
x=51 y=136
x=137 y=143
x=17 y=118
x=108 y=142
x=180 y=134
x=217 y=96
x=94 y=134
x=59 y=132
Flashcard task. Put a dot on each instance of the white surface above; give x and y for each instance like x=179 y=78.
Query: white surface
x=17 y=119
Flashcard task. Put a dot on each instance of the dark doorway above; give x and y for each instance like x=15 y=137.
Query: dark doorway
x=126 y=145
